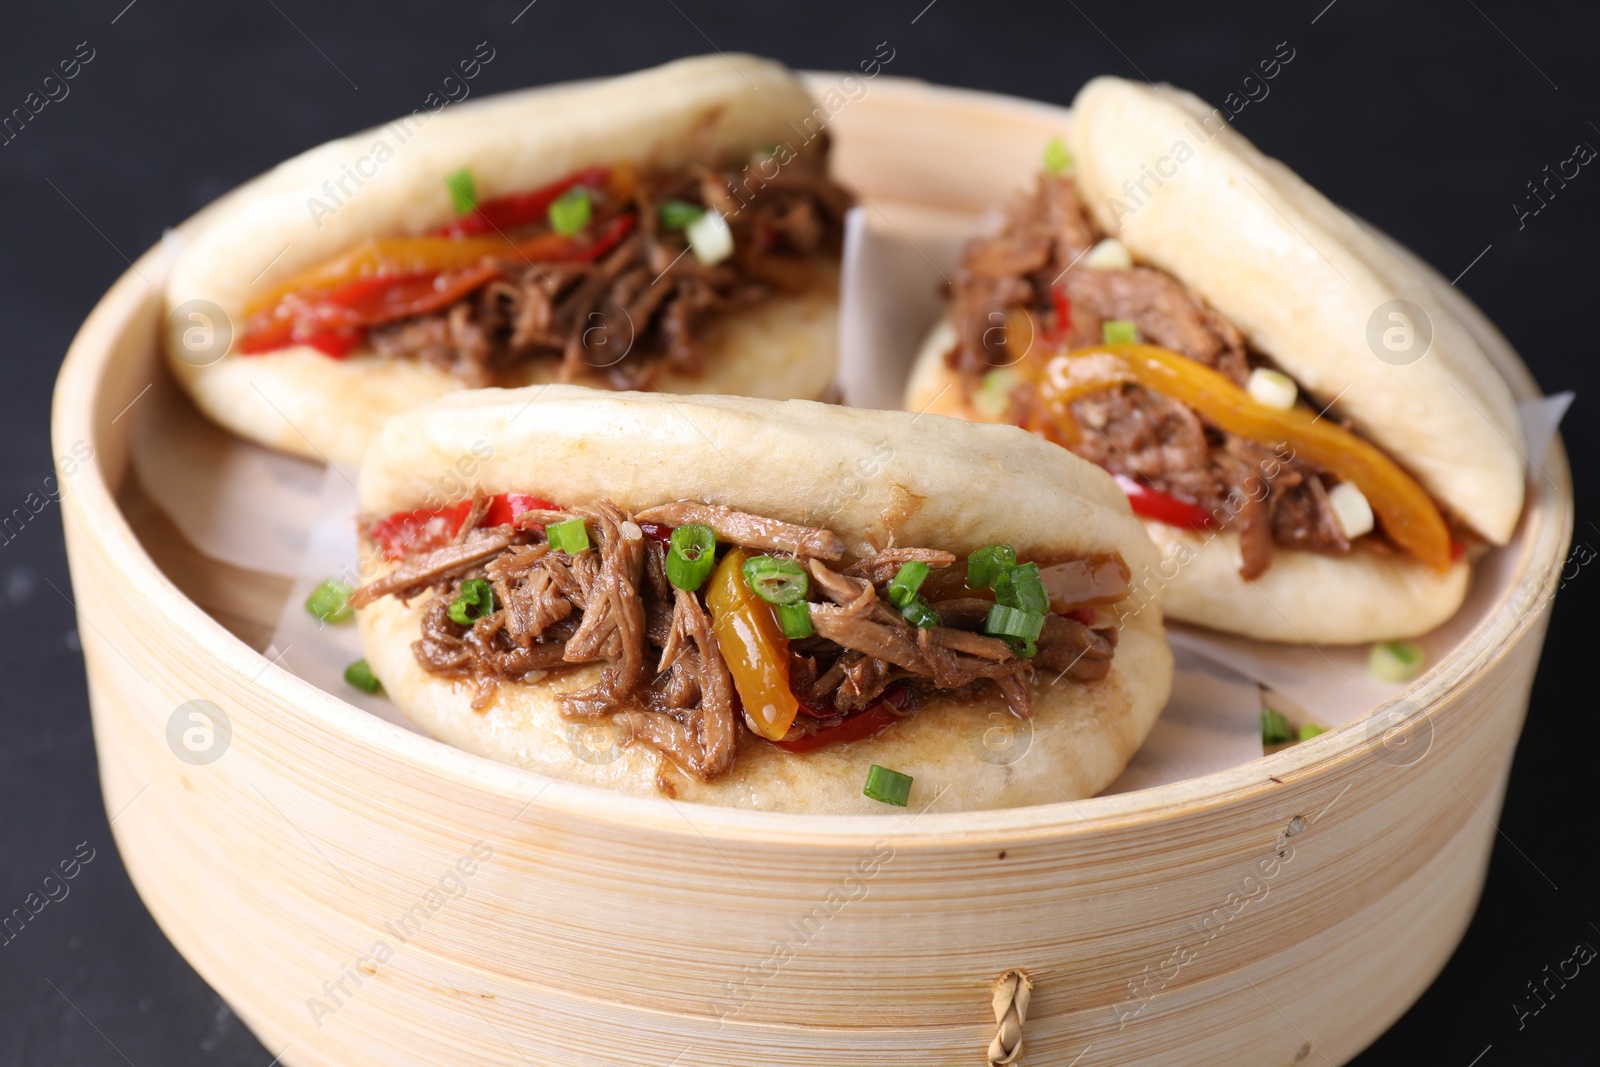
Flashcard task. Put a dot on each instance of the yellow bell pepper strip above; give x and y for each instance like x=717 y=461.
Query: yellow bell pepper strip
x=1051 y=381
x=335 y=322
x=464 y=243
x=384 y=257
x=1409 y=515
x=754 y=647
x=383 y=279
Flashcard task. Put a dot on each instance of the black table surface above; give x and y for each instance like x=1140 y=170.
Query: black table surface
x=1428 y=119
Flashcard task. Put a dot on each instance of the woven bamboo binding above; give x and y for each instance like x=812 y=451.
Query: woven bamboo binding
x=1012 y=992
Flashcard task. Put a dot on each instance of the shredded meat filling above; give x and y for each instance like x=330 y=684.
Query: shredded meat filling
x=639 y=309
x=751 y=531
x=1035 y=263
x=663 y=679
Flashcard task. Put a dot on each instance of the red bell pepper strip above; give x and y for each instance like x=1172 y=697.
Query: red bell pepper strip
x=406 y=532
x=1152 y=504
x=1063 y=306
x=876 y=718
x=1083 y=615
x=505 y=507
x=335 y=344
x=270 y=334
x=553 y=247
x=519 y=209
x=264 y=333
x=336 y=322
x=381 y=257
x=373 y=301
x=858 y=727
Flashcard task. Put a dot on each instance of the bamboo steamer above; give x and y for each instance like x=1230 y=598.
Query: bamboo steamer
x=1286 y=909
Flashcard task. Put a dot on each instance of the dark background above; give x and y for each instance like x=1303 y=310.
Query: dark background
x=1428 y=119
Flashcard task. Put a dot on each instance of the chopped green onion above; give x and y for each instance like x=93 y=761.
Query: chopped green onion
x=710 y=238
x=984 y=566
x=919 y=614
x=1310 y=730
x=570 y=211
x=475 y=600
x=330 y=601
x=463 y=191
x=795 y=620
x=890 y=787
x=570 y=537
x=691 y=555
x=993 y=397
x=1271 y=387
x=1351 y=510
x=1109 y=254
x=1395 y=661
x=676 y=214
x=359 y=674
x=1274 y=727
x=1013 y=622
x=1056 y=156
x=906 y=581
x=1022 y=647
x=777 y=581
x=1021 y=587
x=1119 y=332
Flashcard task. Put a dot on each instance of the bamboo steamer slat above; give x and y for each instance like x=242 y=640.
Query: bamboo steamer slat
x=622 y=931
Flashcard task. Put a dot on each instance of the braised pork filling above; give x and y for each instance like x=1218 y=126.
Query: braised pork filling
x=613 y=270
x=1177 y=464
x=711 y=623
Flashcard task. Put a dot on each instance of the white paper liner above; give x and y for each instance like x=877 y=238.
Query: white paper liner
x=1212 y=722
x=233 y=500
x=306 y=646
x=253 y=508
x=892 y=295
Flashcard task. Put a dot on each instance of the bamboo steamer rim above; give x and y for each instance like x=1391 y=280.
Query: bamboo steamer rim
x=81 y=411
